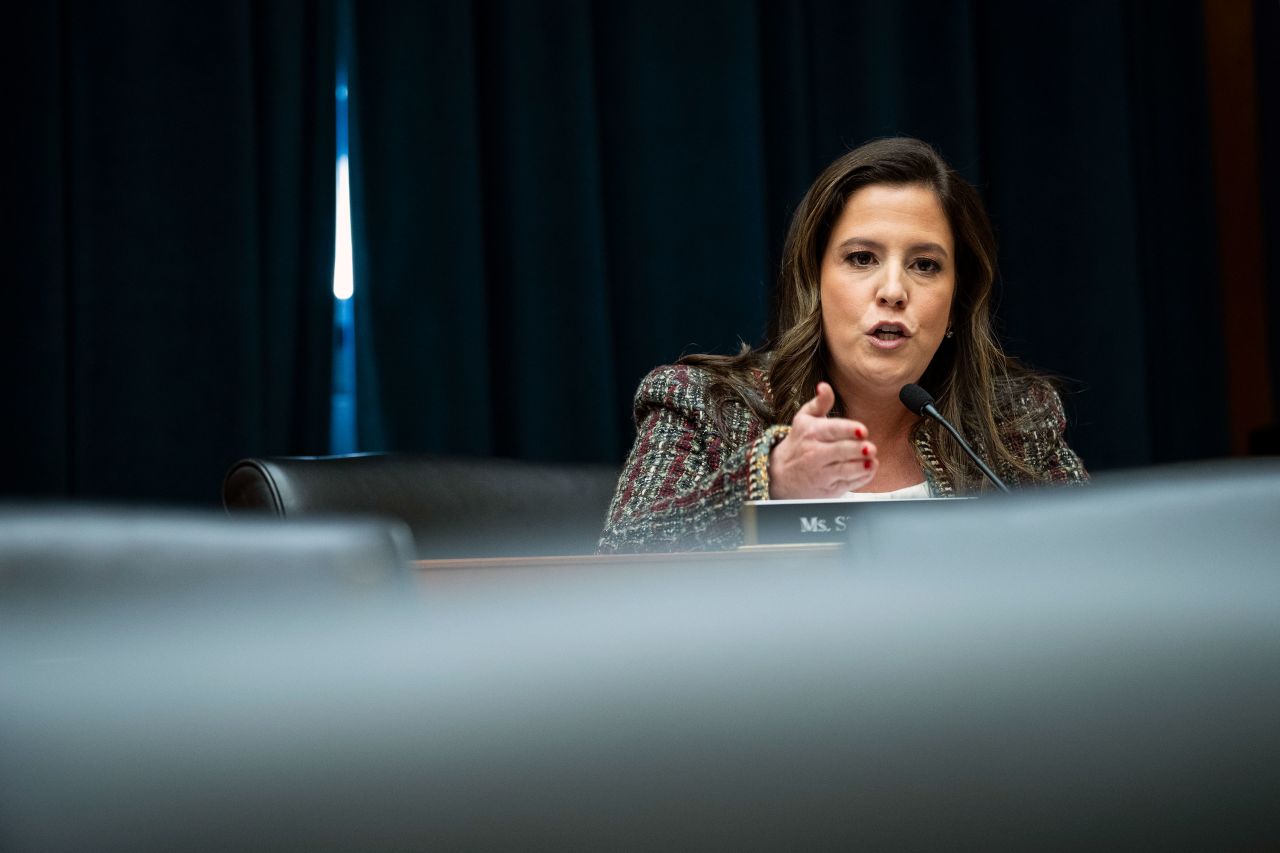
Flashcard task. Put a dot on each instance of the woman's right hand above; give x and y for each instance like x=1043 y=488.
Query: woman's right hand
x=821 y=457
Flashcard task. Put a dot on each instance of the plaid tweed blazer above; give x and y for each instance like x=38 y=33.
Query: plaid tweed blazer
x=685 y=480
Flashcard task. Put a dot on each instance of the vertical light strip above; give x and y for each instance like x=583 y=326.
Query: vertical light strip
x=343 y=267
x=342 y=420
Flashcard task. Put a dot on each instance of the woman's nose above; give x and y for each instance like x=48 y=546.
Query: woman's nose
x=892 y=292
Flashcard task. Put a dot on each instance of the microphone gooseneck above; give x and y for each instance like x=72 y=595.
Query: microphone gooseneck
x=920 y=402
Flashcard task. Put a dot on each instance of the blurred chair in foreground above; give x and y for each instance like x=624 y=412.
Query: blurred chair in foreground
x=455 y=506
x=82 y=553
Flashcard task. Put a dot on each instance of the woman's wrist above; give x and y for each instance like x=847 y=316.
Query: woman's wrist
x=758 y=461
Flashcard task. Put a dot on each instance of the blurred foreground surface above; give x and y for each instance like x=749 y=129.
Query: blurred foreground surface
x=1089 y=668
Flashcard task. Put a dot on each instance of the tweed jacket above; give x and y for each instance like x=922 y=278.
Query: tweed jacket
x=685 y=480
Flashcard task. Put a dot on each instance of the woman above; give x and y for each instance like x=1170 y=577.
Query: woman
x=886 y=280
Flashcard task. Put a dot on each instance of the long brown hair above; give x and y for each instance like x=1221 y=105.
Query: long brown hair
x=968 y=374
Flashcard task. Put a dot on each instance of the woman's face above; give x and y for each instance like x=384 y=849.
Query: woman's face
x=887 y=280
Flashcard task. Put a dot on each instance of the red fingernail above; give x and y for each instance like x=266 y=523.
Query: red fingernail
x=866 y=451
x=858 y=433
x=867 y=464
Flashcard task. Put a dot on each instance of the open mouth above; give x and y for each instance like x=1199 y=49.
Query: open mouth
x=889 y=332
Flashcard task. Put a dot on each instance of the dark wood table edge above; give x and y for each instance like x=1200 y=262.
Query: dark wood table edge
x=752 y=552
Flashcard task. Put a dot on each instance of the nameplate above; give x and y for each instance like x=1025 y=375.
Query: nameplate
x=800 y=522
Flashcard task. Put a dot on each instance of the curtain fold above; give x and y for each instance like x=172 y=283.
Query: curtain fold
x=540 y=183
x=172 y=300
x=417 y=217
x=1062 y=190
x=1266 y=24
x=1185 y=388
x=544 y=247
x=33 y=333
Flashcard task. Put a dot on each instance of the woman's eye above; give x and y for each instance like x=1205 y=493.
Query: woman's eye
x=861 y=259
x=928 y=265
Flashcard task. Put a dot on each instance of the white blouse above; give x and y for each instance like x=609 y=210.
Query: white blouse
x=907 y=493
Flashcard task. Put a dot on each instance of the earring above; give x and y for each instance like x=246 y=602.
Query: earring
x=951 y=333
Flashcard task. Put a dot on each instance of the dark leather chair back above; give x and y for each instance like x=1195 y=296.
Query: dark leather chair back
x=455 y=506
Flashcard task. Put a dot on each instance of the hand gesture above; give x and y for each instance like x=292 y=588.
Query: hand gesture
x=821 y=457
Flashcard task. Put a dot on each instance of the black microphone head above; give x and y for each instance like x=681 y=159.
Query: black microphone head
x=915 y=398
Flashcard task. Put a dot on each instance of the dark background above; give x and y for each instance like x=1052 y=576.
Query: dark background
x=551 y=198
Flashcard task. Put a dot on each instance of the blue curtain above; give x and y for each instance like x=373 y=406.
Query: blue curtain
x=171 y=198
x=555 y=197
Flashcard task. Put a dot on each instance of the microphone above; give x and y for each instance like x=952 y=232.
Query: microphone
x=920 y=401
